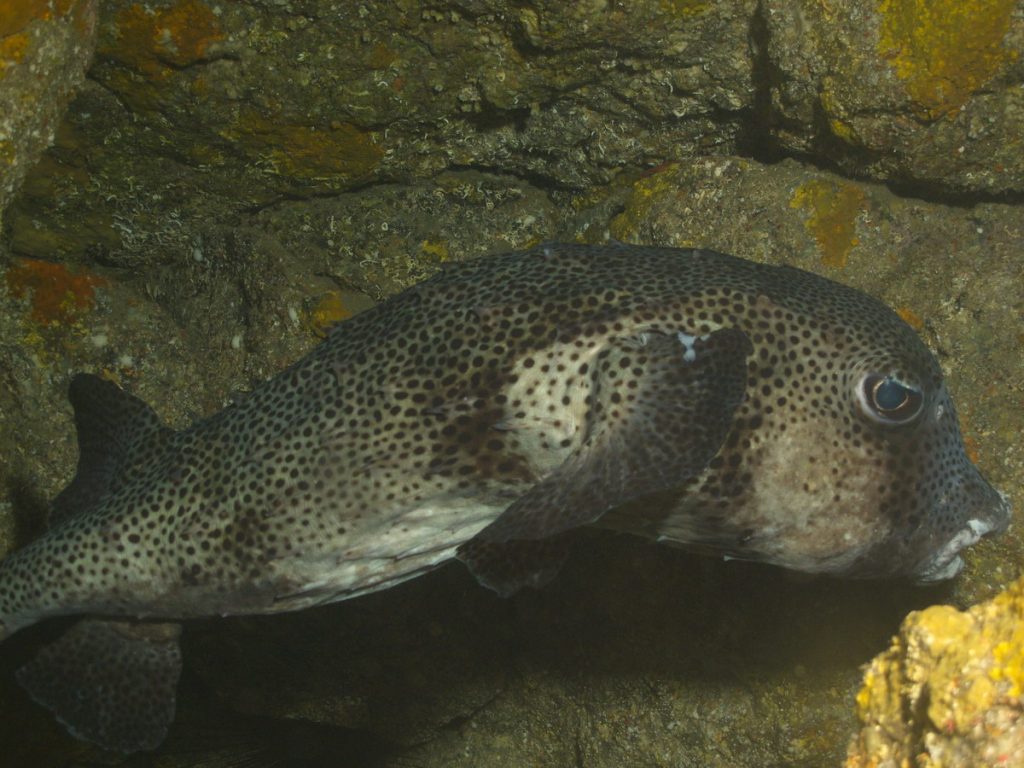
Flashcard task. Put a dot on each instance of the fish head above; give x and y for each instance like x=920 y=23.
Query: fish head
x=934 y=502
x=858 y=466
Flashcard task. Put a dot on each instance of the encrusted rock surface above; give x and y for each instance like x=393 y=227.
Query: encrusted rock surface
x=928 y=93
x=949 y=691
x=45 y=47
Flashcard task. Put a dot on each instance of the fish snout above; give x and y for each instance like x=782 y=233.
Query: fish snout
x=999 y=521
x=989 y=518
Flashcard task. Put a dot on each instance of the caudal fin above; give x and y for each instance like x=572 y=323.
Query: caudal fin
x=111 y=683
x=116 y=432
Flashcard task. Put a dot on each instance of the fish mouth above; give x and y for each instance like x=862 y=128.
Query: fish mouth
x=947 y=562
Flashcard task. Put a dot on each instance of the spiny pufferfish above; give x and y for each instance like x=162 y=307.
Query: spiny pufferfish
x=484 y=414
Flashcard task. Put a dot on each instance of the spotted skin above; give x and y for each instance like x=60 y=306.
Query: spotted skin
x=416 y=426
x=148 y=660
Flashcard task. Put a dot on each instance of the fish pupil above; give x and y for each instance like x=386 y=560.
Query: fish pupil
x=889 y=400
x=890 y=395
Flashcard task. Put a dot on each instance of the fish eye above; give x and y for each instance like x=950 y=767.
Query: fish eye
x=888 y=400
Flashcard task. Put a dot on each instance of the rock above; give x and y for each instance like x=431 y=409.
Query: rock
x=949 y=691
x=204 y=111
x=44 y=50
x=927 y=94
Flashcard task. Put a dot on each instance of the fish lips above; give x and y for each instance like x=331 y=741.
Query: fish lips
x=947 y=561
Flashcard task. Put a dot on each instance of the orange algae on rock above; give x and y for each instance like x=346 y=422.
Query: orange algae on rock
x=152 y=42
x=948 y=691
x=337 y=150
x=56 y=293
x=944 y=50
x=910 y=317
x=16 y=15
x=832 y=217
x=12 y=50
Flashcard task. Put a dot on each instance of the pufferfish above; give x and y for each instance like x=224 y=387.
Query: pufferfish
x=484 y=414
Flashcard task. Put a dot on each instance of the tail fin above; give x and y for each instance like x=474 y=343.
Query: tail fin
x=116 y=431
x=109 y=682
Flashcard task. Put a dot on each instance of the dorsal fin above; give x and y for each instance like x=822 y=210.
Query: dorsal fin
x=115 y=429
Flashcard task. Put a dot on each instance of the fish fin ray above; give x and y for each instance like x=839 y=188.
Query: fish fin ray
x=663 y=406
x=109 y=682
x=112 y=427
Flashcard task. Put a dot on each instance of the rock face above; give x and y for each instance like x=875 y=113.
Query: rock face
x=921 y=93
x=949 y=691
x=234 y=177
x=44 y=50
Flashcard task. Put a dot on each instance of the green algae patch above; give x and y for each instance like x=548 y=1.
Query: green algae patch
x=307 y=152
x=947 y=692
x=832 y=209
x=685 y=7
x=435 y=249
x=944 y=50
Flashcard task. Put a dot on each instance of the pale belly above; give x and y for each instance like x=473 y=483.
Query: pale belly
x=385 y=554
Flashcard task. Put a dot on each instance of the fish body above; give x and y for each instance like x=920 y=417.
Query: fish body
x=773 y=415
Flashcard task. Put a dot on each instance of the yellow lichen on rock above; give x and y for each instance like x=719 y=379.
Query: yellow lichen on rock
x=12 y=50
x=436 y=249
x=944 y=50
x=330 y=310
x=646 y=190
x=948 y=691
x=832 y=209
x=685 y=8
x=834 y=111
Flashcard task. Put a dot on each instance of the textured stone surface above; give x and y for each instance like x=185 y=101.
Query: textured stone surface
x=45 y=46
x=928 y=94
x=949 y=691
x=222 y=108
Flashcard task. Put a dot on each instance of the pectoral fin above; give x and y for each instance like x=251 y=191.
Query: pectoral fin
x=111 y=683
x=661 y=407
x=511 y=565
